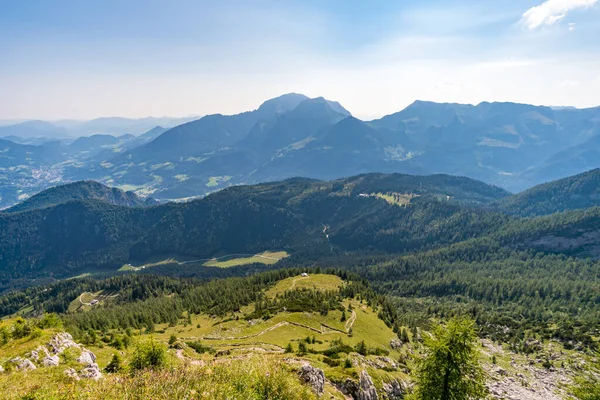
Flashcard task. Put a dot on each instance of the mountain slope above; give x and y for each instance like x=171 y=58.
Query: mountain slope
x=212 y=132
x=83 y=190
x=579 y=191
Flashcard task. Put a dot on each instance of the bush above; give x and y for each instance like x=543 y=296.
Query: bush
x=115 y=364
x=35 y=333
x=50 y=320
x=148 y=354
x=20 y=329
x=331 y=362
x=172 y=339
x=200 y=348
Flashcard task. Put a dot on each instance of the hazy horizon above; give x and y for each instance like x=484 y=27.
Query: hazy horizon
x=8 y=121
x=81 y=60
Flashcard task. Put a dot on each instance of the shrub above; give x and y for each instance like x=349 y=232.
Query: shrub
x=35 y=333
x=20 y=329
x=331 y=362
x=148 y=354
x=115 y=364
x=200 y=348
x=50 y=320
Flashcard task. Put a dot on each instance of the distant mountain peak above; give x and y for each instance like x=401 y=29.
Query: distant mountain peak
x=281 y=104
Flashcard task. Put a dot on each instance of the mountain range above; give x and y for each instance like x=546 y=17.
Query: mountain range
x=514 y=146
x=70 y=229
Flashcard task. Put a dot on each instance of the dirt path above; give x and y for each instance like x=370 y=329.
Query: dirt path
x=324 y=330
x=81 y=301
x=188 y=360
x=99 y=297
x=350 y=321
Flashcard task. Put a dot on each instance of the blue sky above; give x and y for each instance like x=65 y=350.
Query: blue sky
x=134 y=58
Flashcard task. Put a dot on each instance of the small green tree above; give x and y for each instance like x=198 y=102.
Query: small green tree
x=343 y=319
x=289 y=348
x=450 y=370
x=172 y=339
x=301 y=348
x=115 y=364
x=403 y=336
x=361 y=348
x=148 y=354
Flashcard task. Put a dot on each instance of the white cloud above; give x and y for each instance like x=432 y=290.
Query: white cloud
x=569 y=83
x=571 y=26
x=552 y=11
x=505 y=63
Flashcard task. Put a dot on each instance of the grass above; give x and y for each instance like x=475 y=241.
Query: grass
x=226 y=261
x=317 y=281
x=266 y=257
x=399 y=199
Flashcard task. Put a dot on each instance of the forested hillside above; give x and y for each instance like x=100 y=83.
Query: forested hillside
x=84 y=190
x=374 y=213
x=579 y=191
x=389 y=213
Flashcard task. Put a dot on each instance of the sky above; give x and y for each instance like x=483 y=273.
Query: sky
x=77 y=59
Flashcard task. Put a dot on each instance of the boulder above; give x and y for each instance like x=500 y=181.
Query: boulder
x=92 y=371
x=396 y=343
x=86 y=357
x=50 y=361
x=314 y=377
x=71 y=373
x=1 y=369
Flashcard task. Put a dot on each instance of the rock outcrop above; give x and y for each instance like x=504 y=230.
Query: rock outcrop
x=394 y=390
x=62 y=341
x=366 y=388
x=23 y=364
x=91 y=371
x=39 y=353
x=314 y=377
x=57 y=345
